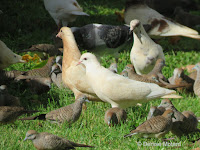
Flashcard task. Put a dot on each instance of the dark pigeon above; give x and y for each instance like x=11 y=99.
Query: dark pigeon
x=102 y=39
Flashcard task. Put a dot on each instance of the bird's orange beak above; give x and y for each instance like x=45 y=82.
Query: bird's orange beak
x=79 y=63
x=58 y=35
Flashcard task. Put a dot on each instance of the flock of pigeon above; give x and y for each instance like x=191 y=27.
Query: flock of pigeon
x=139 y=82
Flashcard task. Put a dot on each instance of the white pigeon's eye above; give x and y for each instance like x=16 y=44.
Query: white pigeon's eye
x=85 y=58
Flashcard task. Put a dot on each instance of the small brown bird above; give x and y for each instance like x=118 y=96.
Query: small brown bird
x=59 y=62
x=39 y=85
x=56 y=76
x=9 y=114
x=124 y=74
x=155 y=127
x=155 y=111
x=179 y=78
x=181 y=124
x=7 y=76
x=196 y=86
x=157 y=71
x=143 y=78
x=193 y=75
x=115 y=115
x=48 y=141
x=113 y=67
x=192 y=118
x=70 y=113
x=6 y=99
x=45 y=71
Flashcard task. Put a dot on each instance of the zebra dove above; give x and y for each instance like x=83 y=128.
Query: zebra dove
x=134 y=76
x=113 y=67
x=196 y=86
x=179 y=78
x=59 y=62
x=182 y=124
x=115 y=116
x=9 y=114
x=155 y=111
x=157 y=71
x=39 y=85
x=6 y=99
x=7 y=76
x=155 y=127
x=70 y=113
x=45 y=71
x=48 y=141
x=124 y=74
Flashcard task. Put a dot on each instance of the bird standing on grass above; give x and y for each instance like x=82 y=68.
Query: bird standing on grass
x=145 y=51
x=117 y=90
x=182 y=124
x=48 y=141
x=9 y=114
x=73 y=76
x=155 y=127
x=70 y=113
x=115 y=116
x=7 y=57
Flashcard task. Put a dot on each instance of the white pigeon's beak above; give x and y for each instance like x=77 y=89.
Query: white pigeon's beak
x=79 y=63
x=25 y=138
x=115 y=70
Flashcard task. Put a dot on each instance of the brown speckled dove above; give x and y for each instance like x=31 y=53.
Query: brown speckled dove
x=115 y=116
x=155 y=111
x=48 y=141
x=156 y=73
x=145 y=51
x=117 y=90
x=113 y=67
x=9 y=114
x=181 y=124
x=73 y=76
x=44 y=71
x=179 y=78
x=8 y=57
x=6 y=99
x=69 y=113
x=155 y=127
x=160 y=25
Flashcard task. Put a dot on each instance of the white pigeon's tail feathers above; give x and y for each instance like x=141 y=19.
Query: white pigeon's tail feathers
x=177 y=29
x=172 y=96
x=79 y=13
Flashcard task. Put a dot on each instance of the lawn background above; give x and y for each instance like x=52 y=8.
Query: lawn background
x=24 y=23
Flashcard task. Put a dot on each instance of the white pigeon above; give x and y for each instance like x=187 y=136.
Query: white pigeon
x=145 y=51
x=63 y=11
x=117 y=90
x=160 y=25
x=7 y=57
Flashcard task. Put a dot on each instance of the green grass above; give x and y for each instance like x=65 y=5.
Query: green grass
x=26 y=23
